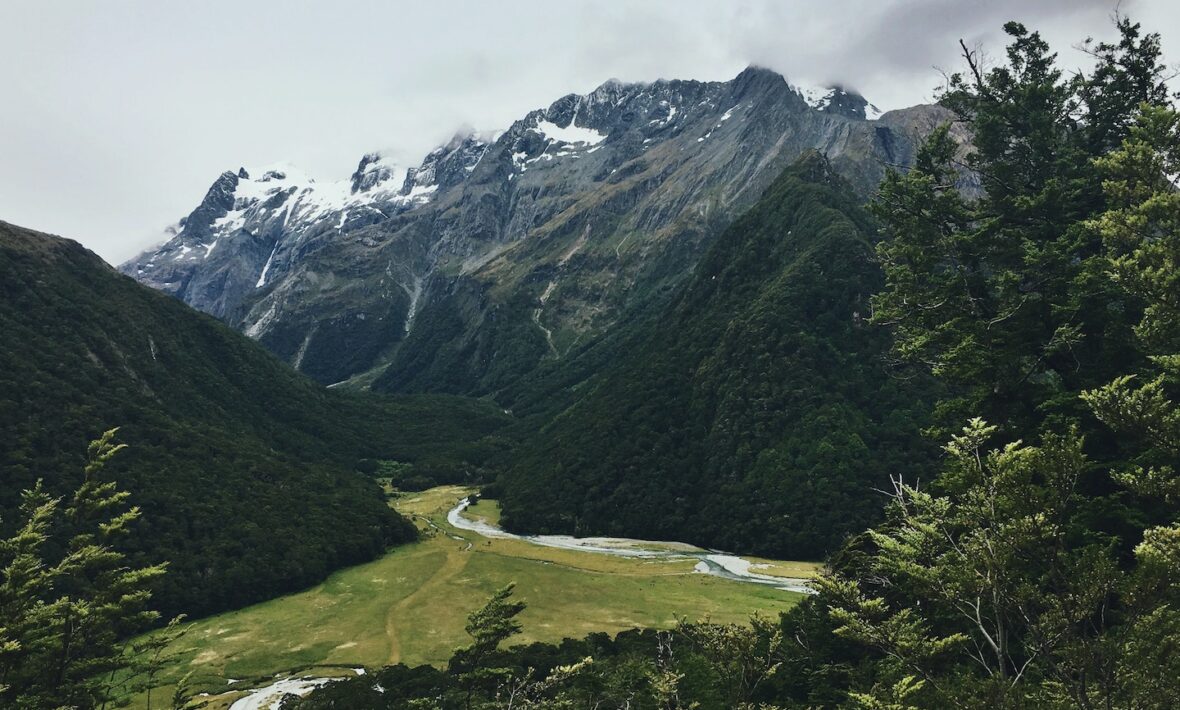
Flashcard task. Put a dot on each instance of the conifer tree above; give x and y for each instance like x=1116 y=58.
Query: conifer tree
x=1005 y=297
x=69 y=599
x=980 y=597
x=488 y=627
x=990 y=588
x=1142 y=232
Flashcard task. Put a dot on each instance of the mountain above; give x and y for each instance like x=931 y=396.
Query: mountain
x=244 y=468
x=756 y=412
x=504 y=251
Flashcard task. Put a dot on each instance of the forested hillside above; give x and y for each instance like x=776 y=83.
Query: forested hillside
x=963 y=396
x=1040 y=566
x=244 y=469
x=504 y=251
x=757 y=413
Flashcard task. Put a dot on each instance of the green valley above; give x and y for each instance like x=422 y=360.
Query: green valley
x=673 y=395
x=410 y=606
x=245 y=469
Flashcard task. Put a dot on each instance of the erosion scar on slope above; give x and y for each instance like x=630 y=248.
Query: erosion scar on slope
x=574 y=248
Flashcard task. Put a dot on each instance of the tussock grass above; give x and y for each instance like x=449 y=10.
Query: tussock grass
x=410 y=606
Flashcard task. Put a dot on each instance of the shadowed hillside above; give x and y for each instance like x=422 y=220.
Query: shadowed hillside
x=243 y=467
x=757 y=414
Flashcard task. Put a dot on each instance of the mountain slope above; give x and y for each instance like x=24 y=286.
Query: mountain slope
x=243 y=467
x=501 y=252
x=755 y=413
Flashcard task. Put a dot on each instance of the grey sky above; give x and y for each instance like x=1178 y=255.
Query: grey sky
x=117 y=116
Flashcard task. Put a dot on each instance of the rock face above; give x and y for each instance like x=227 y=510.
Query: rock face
x=756 y=394
x=502 y=251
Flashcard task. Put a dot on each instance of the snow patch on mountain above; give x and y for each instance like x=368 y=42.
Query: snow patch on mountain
x=570 y=134
x=817 y=97
x=287 y=190
x=266 y=268
x=837 y=99
x=661 y=120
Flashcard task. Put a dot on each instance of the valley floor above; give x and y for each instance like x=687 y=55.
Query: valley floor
x=411 y=605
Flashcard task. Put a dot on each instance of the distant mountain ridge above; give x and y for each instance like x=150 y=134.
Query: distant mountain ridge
x=502 y=251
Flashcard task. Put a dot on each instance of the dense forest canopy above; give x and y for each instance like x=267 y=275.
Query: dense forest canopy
x=70 y=598
x=744 y=416
x=243 y=468
x=1040 y=568
x=1003 y=368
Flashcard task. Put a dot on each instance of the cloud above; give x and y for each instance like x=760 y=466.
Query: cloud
x=892 y=51
x=118 y=116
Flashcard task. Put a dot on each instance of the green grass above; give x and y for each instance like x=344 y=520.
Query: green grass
x=411 y=605
x=486 y=510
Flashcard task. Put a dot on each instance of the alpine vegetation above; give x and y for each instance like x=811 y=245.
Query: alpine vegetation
x=668 y=395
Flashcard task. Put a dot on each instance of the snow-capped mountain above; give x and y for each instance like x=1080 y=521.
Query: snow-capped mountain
x=503 y=250
x=267 y=210
x=837 y=99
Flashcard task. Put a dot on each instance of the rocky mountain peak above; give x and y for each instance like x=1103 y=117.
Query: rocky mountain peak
x=757 y=77
x=449 y=164
x=846 y=102
x=622 y=186
x=609 y=92
x=838 y=100
x=373 y=170
x=218 y=200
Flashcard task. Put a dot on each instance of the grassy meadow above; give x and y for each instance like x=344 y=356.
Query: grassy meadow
x=410 y=606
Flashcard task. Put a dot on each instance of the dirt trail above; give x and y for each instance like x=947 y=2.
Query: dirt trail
x=454 y=563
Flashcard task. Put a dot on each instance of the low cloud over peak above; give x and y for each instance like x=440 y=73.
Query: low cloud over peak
x=120 y=128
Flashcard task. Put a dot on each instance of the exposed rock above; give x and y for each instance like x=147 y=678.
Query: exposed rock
x=327 y=274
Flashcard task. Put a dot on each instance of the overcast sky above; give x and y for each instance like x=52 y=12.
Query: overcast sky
x=116 y=116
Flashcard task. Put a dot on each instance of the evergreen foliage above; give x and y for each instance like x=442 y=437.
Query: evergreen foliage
x=243 y=468
x=744 y=417
x=488 y=627
x=1004 y=584
x=68 y=597
x=979 y=597
x=1005 y=299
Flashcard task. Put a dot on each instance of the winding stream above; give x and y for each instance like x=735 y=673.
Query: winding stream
x=269 y=697
x=717 y=564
